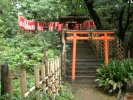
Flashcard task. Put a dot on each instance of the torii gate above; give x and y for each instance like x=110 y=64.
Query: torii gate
x=99 y=35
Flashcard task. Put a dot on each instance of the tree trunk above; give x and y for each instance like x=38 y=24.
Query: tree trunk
x=121 y=30
x=122 y=27
x=4 y=80
x=95 y=17
x=129 y=49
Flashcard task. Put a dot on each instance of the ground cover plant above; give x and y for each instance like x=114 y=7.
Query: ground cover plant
x=115 y=76
x=65 y=93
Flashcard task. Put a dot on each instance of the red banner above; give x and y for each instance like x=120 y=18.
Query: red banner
x=40 y=26
x=31 y=25
x=26 y=25
x=21 y=21
x=51 y=26
x=56 y=24
x=77 y=26
x=91 y=23
x=60 y=27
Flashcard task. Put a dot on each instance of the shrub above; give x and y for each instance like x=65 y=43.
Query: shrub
x=115 y=76
x=26 y=50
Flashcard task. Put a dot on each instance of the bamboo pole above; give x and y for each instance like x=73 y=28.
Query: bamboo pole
x=56 y=76
x=46 y=66
x=53 y=77
x=58 y=65
x=37 y=79
x=23 y=82
x=49 y=77
x=36 y=76
x=59 y=62
x=10 y=82
x=43 y=78
x=32 y=89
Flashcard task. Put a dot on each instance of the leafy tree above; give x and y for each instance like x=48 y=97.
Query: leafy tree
x=115 y=12
x=8 y=17
x=41 y=9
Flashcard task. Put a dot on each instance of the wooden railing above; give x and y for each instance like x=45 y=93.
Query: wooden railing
x=47 y=77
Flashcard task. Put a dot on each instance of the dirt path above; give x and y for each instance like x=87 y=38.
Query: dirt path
x=87 y=92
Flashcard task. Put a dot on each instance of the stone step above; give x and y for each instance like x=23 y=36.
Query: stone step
x=85 y=55
x=80 y=45
x=90 y=60
x=82 y=72
x=78 y=63
x=86 y=63
x=92 y=81
x=81 y=78
x=85 y=68
x=78 y=56
x=83 y=51
x=88 y=55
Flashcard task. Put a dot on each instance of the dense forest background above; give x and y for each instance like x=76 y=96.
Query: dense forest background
x=107 y=14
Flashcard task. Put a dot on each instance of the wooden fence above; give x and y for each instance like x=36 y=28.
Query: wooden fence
x=47 y=77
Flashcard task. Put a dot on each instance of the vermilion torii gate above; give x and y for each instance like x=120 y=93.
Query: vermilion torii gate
x=99 y=35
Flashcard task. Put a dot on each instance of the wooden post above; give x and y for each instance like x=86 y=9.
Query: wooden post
x=23 y=82
x=106 y=48
x=46 y=66
x=63 y=57
x=49 y=77
x=60 y=78
x=74 y=57
x=43 y=78
x=4 y=79
x=56 y=75
x=48 y=80
x=10 y=82
x=53 y=77
x=36 y=76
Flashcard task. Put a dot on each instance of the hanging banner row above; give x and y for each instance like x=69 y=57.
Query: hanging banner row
x=42 y=26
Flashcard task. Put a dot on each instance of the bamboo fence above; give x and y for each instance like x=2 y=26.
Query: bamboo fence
x=47 y=78
x=116 y=49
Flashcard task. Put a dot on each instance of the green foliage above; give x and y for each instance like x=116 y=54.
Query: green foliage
x=65 y=93
x=42 y=9
x=115 y=75
x=110 y=10
x=25 y=50
x=8 y=17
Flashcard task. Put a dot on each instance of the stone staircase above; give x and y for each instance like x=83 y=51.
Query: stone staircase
x=86 y=63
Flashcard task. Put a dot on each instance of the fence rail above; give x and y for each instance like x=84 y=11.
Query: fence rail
x=47 y=77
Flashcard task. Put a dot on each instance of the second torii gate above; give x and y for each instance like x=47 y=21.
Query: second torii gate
x=75 y=35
